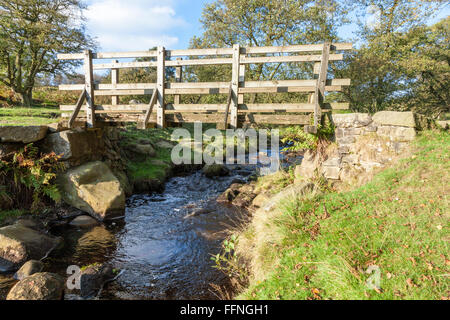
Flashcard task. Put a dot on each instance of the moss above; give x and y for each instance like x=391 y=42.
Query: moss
x=4 y=215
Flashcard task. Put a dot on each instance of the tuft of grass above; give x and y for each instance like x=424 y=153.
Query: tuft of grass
x=10 y=214
x=328 y=246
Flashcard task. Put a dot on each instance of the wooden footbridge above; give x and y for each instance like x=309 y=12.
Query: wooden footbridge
x=234 y=113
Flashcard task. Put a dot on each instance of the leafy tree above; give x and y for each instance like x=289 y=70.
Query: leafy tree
x=397 y=54
x=265 y=23
x=31 y=33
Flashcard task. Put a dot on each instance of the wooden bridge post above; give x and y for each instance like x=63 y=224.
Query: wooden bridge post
x=178 y=77
x=89 y=84
x=160 y=87
x=115 y=80
x=319 y=94
x=235 y=86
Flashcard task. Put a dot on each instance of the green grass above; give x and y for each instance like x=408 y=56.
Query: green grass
x=398 y=222
x=36 y=115
x=10 y=214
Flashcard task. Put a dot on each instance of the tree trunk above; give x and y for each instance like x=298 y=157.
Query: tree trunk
x=26 y=98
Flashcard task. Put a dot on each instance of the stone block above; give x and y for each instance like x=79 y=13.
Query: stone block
x=349 y=120
x=22 y=134
x=332 y=173
x=394 y=118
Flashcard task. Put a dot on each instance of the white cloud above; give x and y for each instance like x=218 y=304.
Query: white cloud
x=128 y=25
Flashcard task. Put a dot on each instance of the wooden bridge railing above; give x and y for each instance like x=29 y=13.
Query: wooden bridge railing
x=238 y=57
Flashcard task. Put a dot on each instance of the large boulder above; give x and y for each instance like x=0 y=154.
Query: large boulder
x=19 y=244
x=75 y=146
x=215 y=170
x=22 y=134
x=394 y=118
x=94 y=189
x=29 y=268
x=39 y=286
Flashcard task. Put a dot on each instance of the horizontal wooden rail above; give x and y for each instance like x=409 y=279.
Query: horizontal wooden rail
x=194 y=108
x=206 y=52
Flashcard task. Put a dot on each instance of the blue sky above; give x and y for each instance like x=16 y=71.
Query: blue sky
x=129 y=25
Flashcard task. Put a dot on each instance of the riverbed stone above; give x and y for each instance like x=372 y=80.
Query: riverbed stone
x=215 y=170
x=29 y=268
x=22 y=134
x=39 y=286
x=94 y=189
x=394 y=118
x=93 y=279
x=19 y=244
x=259 y=200
x=83 y=222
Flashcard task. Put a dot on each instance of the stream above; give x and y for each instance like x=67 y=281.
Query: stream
x=164 y=245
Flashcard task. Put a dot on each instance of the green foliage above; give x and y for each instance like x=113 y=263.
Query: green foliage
x=28 y=178
x=297 y=139
x=31 y=33
x=229 y=263
x=263 y=23
x=402 y=64
x=327 y=242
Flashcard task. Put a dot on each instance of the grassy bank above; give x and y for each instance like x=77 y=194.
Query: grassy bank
x=321 y=247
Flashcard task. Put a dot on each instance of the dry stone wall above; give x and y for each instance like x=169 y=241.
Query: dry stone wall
x=363 y=143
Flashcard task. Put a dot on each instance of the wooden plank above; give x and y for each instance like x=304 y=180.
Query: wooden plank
x=138 y=92
x=243 y=108
x=108 y=55
x=296 y=48
x=129 y=54
x=70 y=56
x=235 y=86
x=227 y=109
x=114 y=81
x=150 y=108
x=319 y=93
x=178 y=78
x=198 y=91
x=122 y=65
x=108 y=86
x=302 y=58
x=278 y=118
x=199 y=62
x=205 y=52
x=205 y=87
x=89 y=83
x=77 y=109
x=293 y=83
x=287 y=89
x=200 y=52
x=198 y=85
x=241 y=79
x=160 y=71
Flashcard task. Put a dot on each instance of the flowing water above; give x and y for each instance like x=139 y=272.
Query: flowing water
x=164 y=245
